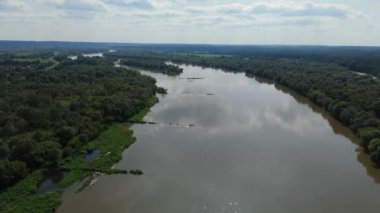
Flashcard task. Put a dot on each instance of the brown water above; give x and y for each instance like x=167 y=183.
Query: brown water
x=254 y=147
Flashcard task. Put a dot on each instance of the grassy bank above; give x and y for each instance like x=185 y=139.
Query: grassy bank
x=111 y=144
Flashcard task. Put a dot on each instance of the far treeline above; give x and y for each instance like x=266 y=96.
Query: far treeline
x=353 y=99
x=359 y=59
x=142 y=62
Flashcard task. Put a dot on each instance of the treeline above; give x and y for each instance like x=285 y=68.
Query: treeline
x=153 y=65
x=359 y=59
x=10 y=67
x=351 y=98
x=47 y=115
x=145 y=61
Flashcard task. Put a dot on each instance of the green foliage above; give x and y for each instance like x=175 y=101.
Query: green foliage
x=368 y=134
x=72 y=177
x=375 y=156
x=374 y=145
x=111 y=143
x=140 y=115
x=11 y=171
x=161 y=90
x=20 y=198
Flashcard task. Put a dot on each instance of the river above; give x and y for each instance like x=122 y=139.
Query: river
x=224 y=142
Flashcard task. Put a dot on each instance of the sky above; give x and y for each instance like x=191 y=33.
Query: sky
x=310 y=22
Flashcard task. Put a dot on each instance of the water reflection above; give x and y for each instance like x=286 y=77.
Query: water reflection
x=336 y=126
x=89 y=55
x=51 y=183
x=92 y=156
x=256 y=148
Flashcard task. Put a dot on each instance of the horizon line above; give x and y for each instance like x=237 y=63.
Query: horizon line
x=203 y=44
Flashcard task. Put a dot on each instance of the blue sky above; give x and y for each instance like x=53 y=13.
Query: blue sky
x=333 y=22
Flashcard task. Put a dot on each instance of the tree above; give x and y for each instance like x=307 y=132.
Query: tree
x=65 y=134
x=39 y=136
x=347 y=115
x=23 y=151
x=48 y=153
x=374 y=144
x=10 y=172
x=376 y=108
x=4 y=150
x=367 y=134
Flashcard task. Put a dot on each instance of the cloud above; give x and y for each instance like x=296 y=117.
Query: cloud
x=78 y=5
x=282 y=8
x=202 y=13
x=12 y=5
x=140 y=4
x=51 y=1
x=201 y=20
x=274 y=13
x=89 y=9
x=60 y=10
x=302 y=9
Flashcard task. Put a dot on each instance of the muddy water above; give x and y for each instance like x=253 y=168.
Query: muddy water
x=228 y=143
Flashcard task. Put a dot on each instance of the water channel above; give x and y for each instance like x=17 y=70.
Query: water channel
x=225 y=142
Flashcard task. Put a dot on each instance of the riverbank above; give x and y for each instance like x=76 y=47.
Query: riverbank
x=111 y=143
x=350 y=98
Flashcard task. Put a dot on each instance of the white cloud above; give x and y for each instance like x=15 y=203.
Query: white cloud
x=12 y=5
x=140 y=4
x=278 y=12
x=51 y=1
x=305 y=8
x=183 y=12
x=79 y=5
x=170 y=17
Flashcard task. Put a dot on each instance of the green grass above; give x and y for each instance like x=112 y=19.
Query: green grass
x=50 y=60
x=111 y=143
x=72 y=177
x=26 y=59
x=40 y=60
x=20 y=198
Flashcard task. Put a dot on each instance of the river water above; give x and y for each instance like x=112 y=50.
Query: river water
x=228 y=143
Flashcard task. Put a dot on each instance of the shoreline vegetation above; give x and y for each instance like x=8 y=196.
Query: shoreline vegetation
x=111 y=143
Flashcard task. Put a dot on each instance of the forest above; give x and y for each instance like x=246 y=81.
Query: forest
x=47 y=114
